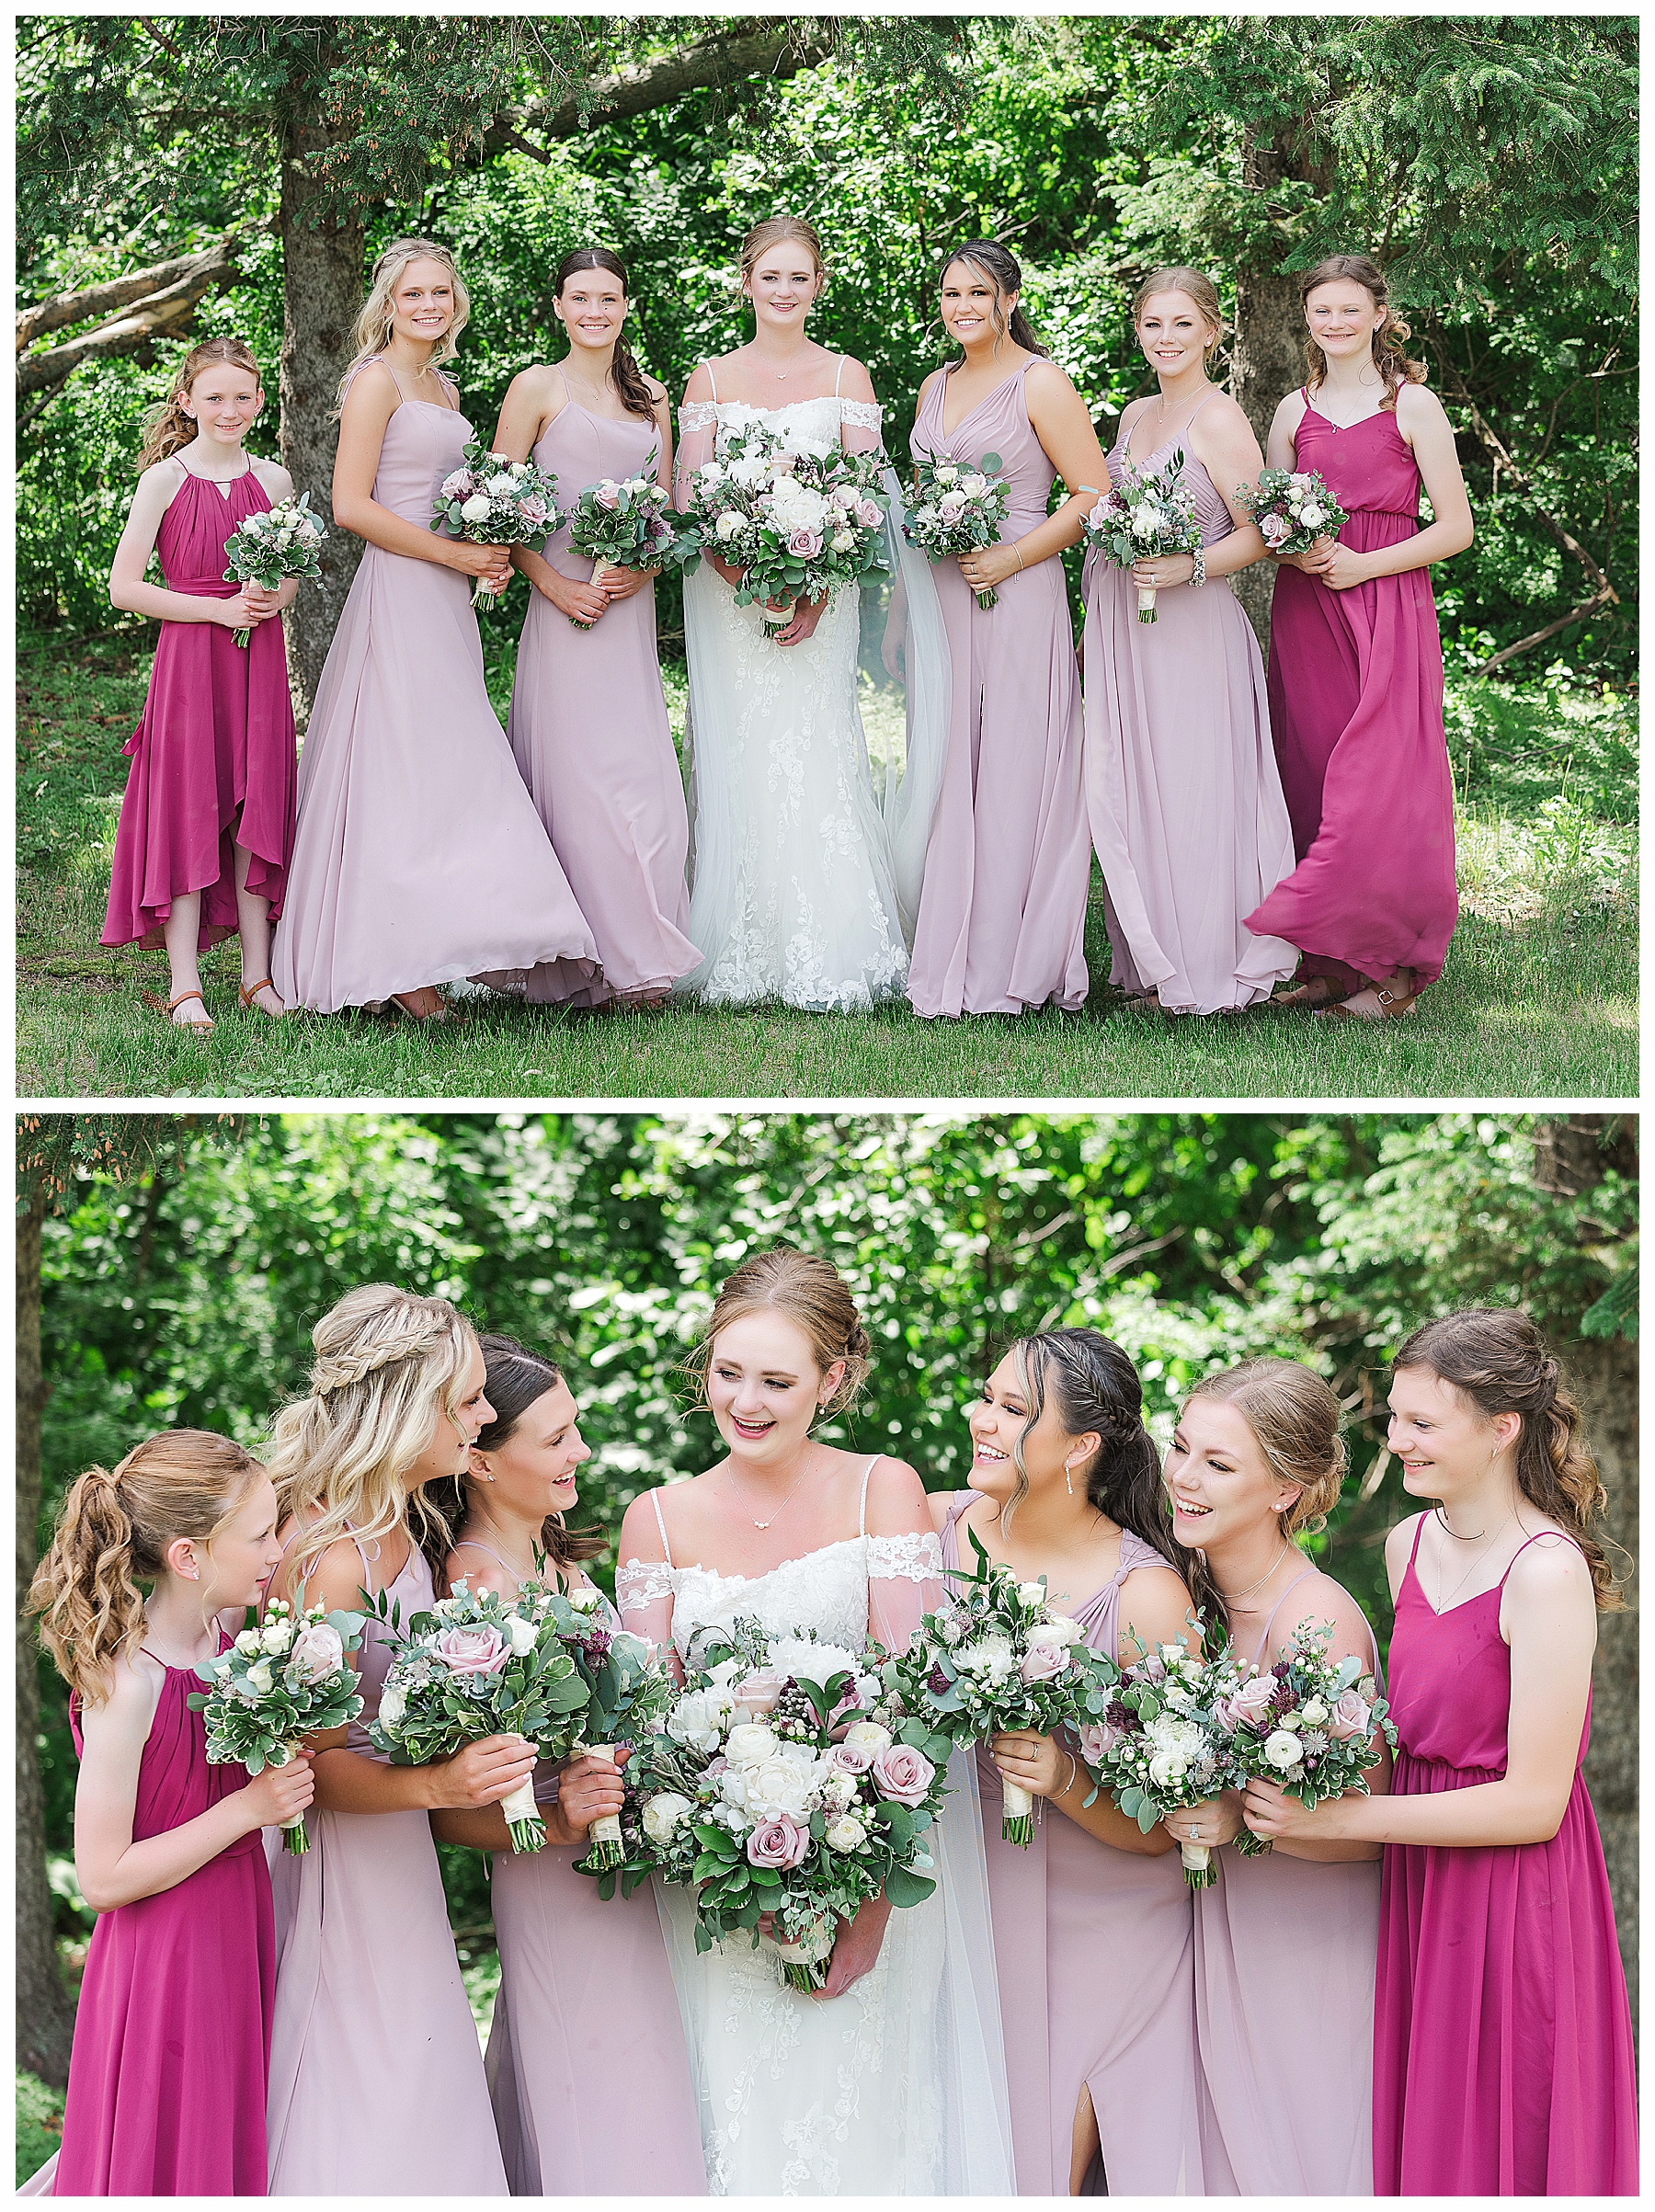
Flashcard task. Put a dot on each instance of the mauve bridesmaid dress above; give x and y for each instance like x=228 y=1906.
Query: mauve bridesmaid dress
x=1002 y=912
x=1356 y=709
x=215 y=741
x=1095 y=1954
x=1502 y=2040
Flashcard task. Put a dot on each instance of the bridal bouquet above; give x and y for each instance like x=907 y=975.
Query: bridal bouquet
x=1311 y=1724
x=799 y=520
x=273 y=544
x=477 y=1665
x=786 y=1787
x=1149 y=515
x=957 y=509
x=277 y=1684
x=494 y=501
x=1164 y=1741
x=621 y=524
x=629 y=1695
x=996 y=1657
x=1293 y=507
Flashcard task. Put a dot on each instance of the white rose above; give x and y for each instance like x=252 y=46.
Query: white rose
x=1281 y=1749
x=974 y=486
x=476 y=508
x=1032 y=1593
x=393 y=1705
x=752 y=468
x=947 y=473
x=663 y=1814
x=1310 y=515
x=733 y=1788
x=781 y=1785
x=521 y=1635
x=261 y=1676
x=1166 y=1767
x=276 y=1637
x=837 y=1789
x=446 y=1609
x=846 y=1834
x=842 y=540
x=729 y=525
x=750 y=1744
x=691 y=1721
x=867 y=1736
x=712 y=471
x=586 y=1599
x=246 y=1690
x=724 y=1674
x=1315 y=1712
x=1144 y=521
x=249 y=1640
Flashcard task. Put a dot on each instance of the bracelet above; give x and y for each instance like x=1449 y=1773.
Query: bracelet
x=1017 y=549
x=1073 y=1772
x=1199 y=579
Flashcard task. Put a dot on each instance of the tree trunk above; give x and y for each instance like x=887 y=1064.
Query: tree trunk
x=1267 y=360
x=45 y=2015
x=322 y=292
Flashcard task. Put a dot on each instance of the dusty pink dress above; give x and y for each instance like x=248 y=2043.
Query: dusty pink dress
x=588 y=726
x=216 y=742
x=1284 y=1998
x=1002 y=912
x=1356 y=709
x=419 y=857
x=376 y=2075
x=1502 y=2042
x=1095 y=1951
x=172 y=2033
x=1186 y=806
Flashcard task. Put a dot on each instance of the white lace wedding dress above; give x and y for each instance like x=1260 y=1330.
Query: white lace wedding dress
x=805 y=867
x=897 y=2088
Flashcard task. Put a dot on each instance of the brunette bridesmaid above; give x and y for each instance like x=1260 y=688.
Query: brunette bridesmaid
x=1002 y=911
x=586 y=2064
x=588 y=720
x=1186 y=806
x=1356 y=663
x=419 y=857
x=1502 y=2044
x=376 y=2080
x=1285 y=1944
x=1092 y=1932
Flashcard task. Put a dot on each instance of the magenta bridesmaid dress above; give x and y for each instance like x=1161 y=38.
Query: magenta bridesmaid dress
x=1095 y=1955
x=376 y=2072
x=172 y=2033
x=1187 y=814
x=1356 y=709
x=216 y=742
x=419 y=857
x=589 y=727
x=1002 y=910
x=1285 y=1955
x=1502 y=2040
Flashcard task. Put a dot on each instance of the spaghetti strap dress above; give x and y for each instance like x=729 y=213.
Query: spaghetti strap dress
x=1503 y=2039
x=1285 y=1952
x=419 y=857
x=172 y=2031
x=1356 y=712
x=376 y=2074
x=214 y=763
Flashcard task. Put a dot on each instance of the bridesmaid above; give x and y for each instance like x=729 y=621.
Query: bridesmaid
x=1502 y=2042
x=1003 y=913
x=588 y=720
x=418 y=857
x=1186 y=806
x=587 y=2063
x=1093 y=1930
x=376 y=2080
x=1285 y=1944
x=206 y=825
x=1356 y=663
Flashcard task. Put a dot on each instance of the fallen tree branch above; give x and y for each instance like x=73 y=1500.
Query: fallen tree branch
x=105 y=299
x=159 y=314
x=1576 y=614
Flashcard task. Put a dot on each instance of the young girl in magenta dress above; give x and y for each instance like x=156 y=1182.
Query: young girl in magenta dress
x=172 y=2033
x=1356 y=663
x=1502 y=2041
x=206 y=827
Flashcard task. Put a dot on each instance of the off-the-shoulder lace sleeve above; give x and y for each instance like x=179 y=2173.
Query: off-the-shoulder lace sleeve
x=913 y=1557
x=698 y=436
x=859 y=426
x=905 y=1580
x=698 y=414
x=641 y=1582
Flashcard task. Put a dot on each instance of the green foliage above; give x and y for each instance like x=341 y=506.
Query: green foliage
x=39 y=2123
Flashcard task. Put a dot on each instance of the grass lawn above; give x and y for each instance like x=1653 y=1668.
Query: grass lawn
x=1539 y=998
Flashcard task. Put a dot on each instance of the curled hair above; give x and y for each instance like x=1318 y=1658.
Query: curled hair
x=389 y=1366
x=1393 y=364
x=1093 y=1386
x=779 y=229
x=1495 y=1356
x=1006 y=275
x=112 y=1533
x=515 y=1379
x=168 y=427
x=810 y=1292
x=1195 y=285
x=624 y=373
x=1295 y=1419
x=371 y=334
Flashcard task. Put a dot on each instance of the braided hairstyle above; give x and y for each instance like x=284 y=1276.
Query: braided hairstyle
x=1392 y=363
x=810 y=1292
x=1495 y=1356
x=112 y=1535
x=1006 y=275
x=168 y=427
x=624 y=373
x=515 y=1378
x=389 y=1366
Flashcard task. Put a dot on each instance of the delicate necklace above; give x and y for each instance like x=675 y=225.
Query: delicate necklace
x=1441 y=1605
x=781 y=1509
x=1234 y=1597
x=1443 y=1517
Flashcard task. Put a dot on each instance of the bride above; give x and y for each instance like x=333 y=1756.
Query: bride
x=892 y=2080
x=806 y=877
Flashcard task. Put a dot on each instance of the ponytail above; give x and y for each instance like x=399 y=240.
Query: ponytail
x=1006 y=275
x=168 y=427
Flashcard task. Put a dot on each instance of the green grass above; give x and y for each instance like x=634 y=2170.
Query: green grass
x=1540 y=996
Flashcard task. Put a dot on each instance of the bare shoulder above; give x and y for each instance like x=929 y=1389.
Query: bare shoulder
x=854 y=383
x=274 y=479
x=163 y=480
x=1290 y=410
x=132 y=1687
x=1159 y=1596
x=894 y=1489
x=337 y=1577
x=1418 y=403
x=942 y=1503
x=478 y=1570
x=640 y=1531
x=936 y=377
x=653 y=386
x=1400 y=1543
x=1045 y=380
x=1550 y=1565
x=1224 y=415
x=372 y=398
x=1323 y=1601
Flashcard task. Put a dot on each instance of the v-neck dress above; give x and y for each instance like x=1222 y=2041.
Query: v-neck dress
x=1502 y=2040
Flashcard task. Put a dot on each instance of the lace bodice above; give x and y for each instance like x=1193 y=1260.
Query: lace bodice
x=826 y=1590
x=825 y=418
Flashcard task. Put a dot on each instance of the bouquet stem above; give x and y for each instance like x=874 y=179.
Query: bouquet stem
x=604 y=1834
x=1017 y=1810
x=1251 y=1846
x=777 y=617
x=244 y=638
x=1198 y=1863
x=804 y=1965
x=990 y=597
x=599 y=565
x=522 y=1817
x=295 y=1835
x=795 y=1975
x=1145 y=598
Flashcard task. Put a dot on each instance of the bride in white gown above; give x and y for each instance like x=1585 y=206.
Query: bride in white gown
x=806 y=867
x=891 y=2082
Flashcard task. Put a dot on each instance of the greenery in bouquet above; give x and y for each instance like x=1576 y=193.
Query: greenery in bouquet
x=1149 y=515
x=493 y=501
x=1311 y=1724
x=621 y=523
x=272 y=545
x=629 y=1695
x=1160 y=1744
x=958 y=510
x=1293 y=508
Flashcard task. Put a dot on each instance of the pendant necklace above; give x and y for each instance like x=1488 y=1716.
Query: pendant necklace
x=1234 y=1597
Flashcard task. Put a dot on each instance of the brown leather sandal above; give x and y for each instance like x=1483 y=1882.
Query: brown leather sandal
x=1392 y=1004
x=249 y=992
x=168 y=1007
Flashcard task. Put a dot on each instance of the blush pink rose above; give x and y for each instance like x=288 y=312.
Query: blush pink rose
x=1275 y=528
x=805 y=544
x=903 y=1774
x=778 y=1843
x=851 y=1758
x=1044 y=1662
x=1096 y=1738
x=471 y=1650
x=867 y=514
x=757 y=1695
x=534 y=509
x=1254 y=1702
x=1350 y=1717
